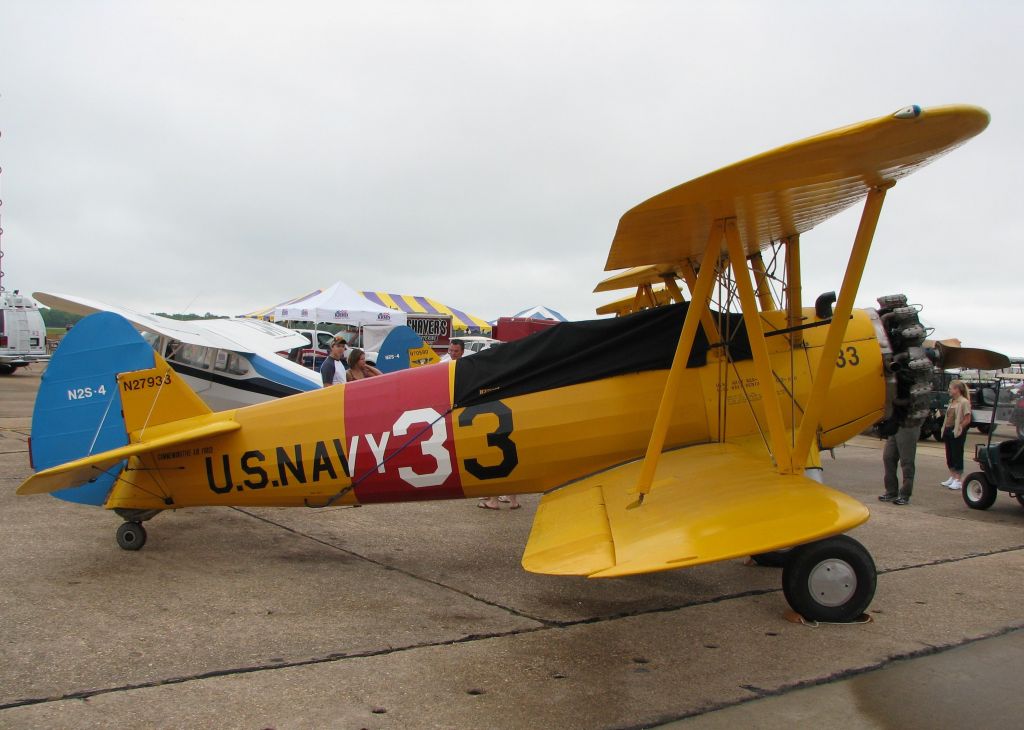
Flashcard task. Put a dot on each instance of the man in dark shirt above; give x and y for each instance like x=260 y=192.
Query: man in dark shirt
x=333 y=369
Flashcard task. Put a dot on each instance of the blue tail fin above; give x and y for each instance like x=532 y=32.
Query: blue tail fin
x=78 y=407
x=401 y=349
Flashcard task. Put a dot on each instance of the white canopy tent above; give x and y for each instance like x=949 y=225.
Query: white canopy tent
x=339 y=304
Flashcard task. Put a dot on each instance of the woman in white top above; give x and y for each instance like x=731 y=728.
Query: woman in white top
x=954 y=431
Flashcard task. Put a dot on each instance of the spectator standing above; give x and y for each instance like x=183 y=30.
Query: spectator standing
x=332 y=371
x=954 y=431
x=357 y=367
x=900 y=449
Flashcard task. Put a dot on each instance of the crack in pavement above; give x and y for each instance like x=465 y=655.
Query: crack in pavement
x=386 y=566
x=762 y=693
x=757 y=692
x=575 y=622
x=545 y=625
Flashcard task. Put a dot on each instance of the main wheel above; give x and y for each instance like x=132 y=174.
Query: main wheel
x=1020 y=498
x=131 y=536
x=978 y=492
x=984 y=428
x=937 y=434
x=830 y=580
x=7 y=369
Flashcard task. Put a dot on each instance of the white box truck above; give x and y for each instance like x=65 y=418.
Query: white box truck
x=22 y=332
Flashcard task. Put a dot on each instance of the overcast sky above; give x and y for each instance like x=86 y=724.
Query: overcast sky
x=224 y=156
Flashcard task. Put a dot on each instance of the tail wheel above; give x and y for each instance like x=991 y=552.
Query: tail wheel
x=131 y=536
x=978 y=492
x=830 y=580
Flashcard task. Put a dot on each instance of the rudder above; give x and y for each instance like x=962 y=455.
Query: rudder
x=79 y=409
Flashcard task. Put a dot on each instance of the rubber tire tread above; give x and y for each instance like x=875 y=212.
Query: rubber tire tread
x=802 y=561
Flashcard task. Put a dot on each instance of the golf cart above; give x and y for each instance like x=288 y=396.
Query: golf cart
x=1002 y=469
x=985 y=396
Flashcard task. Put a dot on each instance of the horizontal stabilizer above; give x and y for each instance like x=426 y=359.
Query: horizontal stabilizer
x=85 y=470
x=708 y=503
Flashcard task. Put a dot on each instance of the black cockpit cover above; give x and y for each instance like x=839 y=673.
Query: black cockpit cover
x=578 y=352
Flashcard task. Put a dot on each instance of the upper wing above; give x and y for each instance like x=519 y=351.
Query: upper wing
x=637 y=276
x=708 y=503
x=243 y=335
x=791 y=189
x=627 y=305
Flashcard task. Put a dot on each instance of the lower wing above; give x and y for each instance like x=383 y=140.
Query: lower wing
x=707 y=503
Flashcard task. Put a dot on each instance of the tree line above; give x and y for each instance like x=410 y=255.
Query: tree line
x=58 y=318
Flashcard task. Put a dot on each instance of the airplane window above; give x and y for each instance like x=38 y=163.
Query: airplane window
x=231 y=362
x=237 y=364
x=173 y=351
x=194 y=355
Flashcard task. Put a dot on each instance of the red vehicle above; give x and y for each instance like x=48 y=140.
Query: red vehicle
x=515 y=328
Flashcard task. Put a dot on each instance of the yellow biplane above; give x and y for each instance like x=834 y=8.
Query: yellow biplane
x=697 y=441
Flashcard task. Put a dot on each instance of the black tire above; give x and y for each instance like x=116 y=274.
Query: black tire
x=977 y=491
x=131 y=536
x=830 y=580
x=926 y=431
x=984 y=428
x=7 y=369
x=1020 y=498
x=937 y=435
x=773 y=559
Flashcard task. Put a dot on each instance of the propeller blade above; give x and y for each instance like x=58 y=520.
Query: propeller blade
x=952 y=358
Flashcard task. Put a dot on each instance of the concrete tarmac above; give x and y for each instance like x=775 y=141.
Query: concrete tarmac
x=419 y=616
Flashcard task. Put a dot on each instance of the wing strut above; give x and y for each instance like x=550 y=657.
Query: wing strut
x=794 y=305
x=759 y=348
x=701 y=293
x=690 y=277
x=840 y=319
x=764 y=290
x=675 y=293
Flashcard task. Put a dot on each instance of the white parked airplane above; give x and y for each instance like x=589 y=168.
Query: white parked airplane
x=229 y=363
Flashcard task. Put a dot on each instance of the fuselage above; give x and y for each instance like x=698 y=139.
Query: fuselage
x=398 y=437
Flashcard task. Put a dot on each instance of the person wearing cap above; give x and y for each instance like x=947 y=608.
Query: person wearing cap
x=332 y=371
